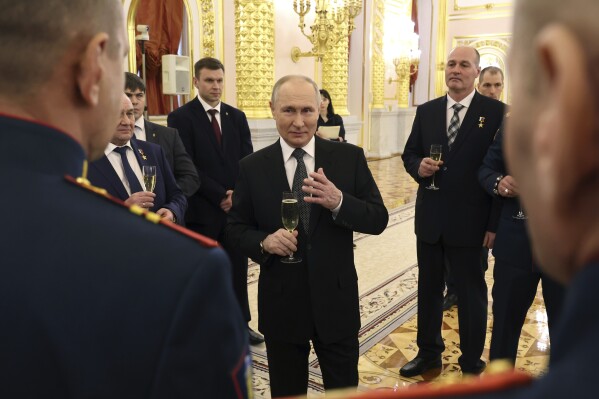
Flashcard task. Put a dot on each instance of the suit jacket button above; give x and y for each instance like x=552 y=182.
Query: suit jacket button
x=444 y=167
x=309 y=247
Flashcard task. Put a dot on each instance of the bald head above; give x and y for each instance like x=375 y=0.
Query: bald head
x=461 y=70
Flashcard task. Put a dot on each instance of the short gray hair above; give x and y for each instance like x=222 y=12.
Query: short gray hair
x=287 y=78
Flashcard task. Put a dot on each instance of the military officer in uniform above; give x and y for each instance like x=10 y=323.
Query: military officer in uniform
x=96 y=299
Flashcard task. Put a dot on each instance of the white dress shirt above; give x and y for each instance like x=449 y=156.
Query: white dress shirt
x=140 y=129
x=117 y=164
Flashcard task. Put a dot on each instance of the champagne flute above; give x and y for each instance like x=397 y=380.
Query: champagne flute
x=290 y=218
x=149 y=172
x=436 y=150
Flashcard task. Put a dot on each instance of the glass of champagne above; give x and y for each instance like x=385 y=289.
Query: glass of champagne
x=149 y=172
x=290 y=218
x=436 y=150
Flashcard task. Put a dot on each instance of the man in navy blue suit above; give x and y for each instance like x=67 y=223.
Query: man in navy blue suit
x=516 y=275
x=97 y=299
x=121 y=173
x=452 y=222
x=216 y=136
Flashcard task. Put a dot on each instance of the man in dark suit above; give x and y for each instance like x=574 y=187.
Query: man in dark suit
x=166 y=137
x=91 y=303
x=315 y=300
x=490 y=84
x=216 y=136
x=516 y=276
x=452 y=221
x=119 y=171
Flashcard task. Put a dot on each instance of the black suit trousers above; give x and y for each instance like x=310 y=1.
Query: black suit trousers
x=288 y=365
x=472 y=300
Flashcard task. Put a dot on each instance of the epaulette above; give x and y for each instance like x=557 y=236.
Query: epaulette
x=498 y=377
x=144 y=213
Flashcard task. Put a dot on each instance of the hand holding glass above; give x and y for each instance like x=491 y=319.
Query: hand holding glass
x=149 y=172
x=436 y=150
x=290 y=218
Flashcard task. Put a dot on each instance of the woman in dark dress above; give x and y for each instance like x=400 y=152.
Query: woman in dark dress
x=328 y=117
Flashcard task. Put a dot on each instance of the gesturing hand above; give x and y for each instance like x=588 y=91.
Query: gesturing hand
x=322 y=191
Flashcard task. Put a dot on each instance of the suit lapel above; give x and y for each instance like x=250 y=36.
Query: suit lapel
x=150 y=132
x=440 y=131
x=226 y=127
x=323 y=159
x=141 y=155
x=104 y=166
x=466 y=127
x=276 y=174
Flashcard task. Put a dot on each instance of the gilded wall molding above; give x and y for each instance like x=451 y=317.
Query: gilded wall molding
x=378 y=59
x=208 y=31
x=441 y=52
x=335 y=72
x=254 y=55
x=481 y=5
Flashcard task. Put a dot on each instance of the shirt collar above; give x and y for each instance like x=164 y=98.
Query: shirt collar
x=140 y=122
x=465 y=101
x=208 y=106
x=288 y=150
x=110 y=147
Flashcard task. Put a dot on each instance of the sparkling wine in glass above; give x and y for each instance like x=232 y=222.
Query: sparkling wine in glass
x=435 y=154
x=149 y=173
x=290 y=218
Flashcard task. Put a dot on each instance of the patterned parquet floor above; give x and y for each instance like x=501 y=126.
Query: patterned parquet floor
x=379 y=366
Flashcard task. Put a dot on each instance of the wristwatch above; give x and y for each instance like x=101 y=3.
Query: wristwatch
x=262 y=247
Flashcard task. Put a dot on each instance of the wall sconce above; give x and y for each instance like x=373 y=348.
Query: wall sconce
x=403 y=65
x=326 y=29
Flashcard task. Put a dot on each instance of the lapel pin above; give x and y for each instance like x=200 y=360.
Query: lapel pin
x=481 y=122
x=143 y=155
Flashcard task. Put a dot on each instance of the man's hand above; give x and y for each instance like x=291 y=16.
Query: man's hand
x=428 y=167
x=322 y=191
x=145 y=199
x=281 y=242
x=227 y=202
x=508 y=187
x=489 y=240
x=166 y=214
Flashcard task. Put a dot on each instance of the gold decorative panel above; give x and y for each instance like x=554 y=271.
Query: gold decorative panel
x=378 y=59
x=254 y=55
x=335 y=72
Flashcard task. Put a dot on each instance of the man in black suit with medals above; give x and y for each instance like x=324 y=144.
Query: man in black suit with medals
x=120 y=171
x=168 y=138
x=452 y=220
x=317 y=299
x=216 y=136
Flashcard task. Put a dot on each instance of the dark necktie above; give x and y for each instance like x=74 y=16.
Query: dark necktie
x=298 y=182
x=215 y=126
x=129 y=174
x=454 y=124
